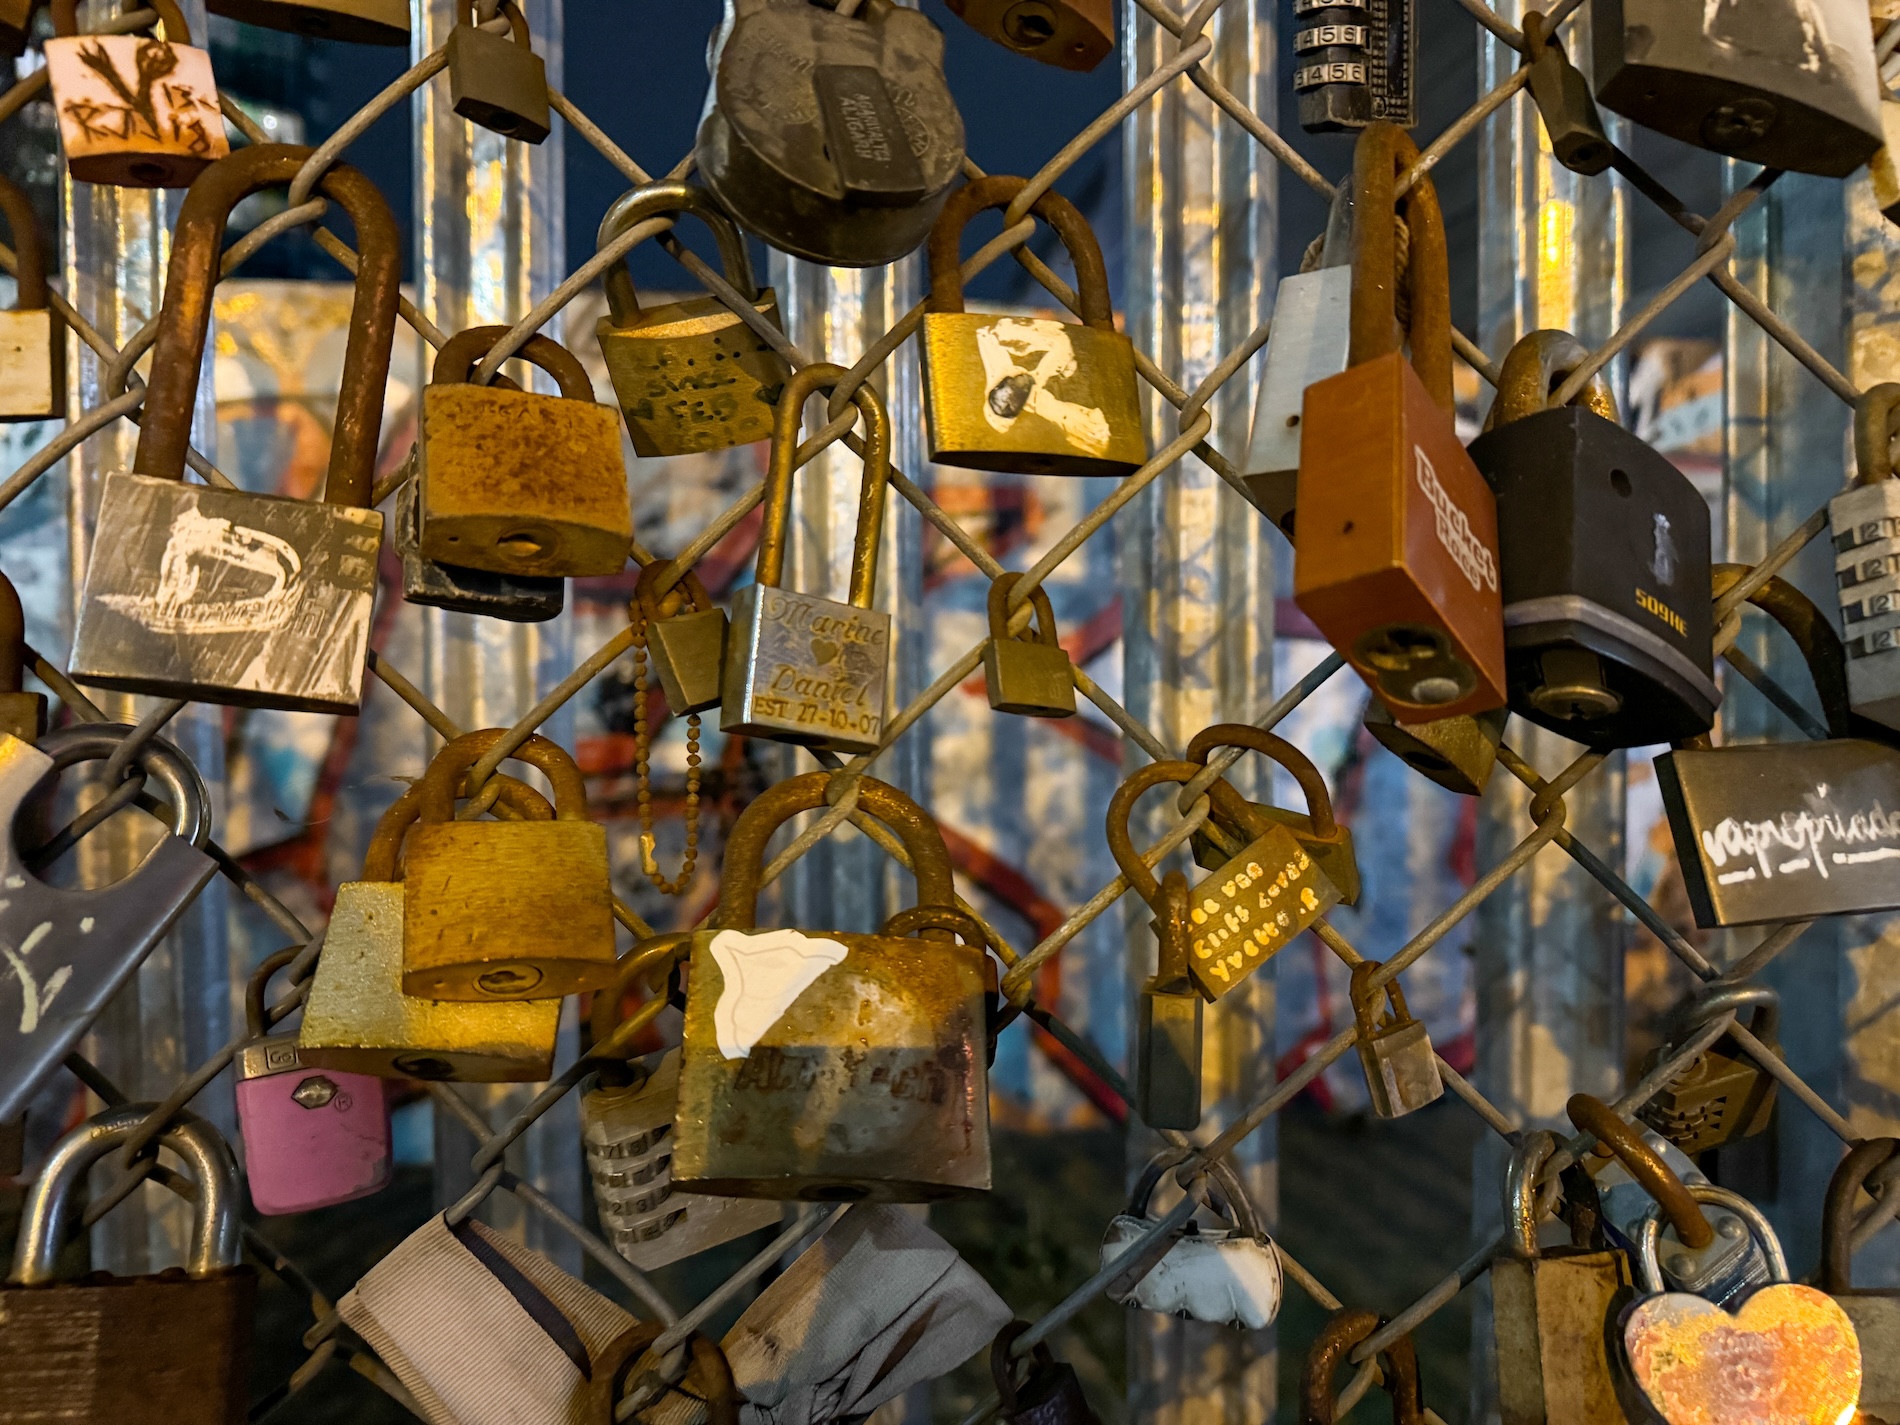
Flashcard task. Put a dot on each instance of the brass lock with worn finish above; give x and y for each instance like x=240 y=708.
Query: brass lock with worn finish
x=498 y=81
x=22 y=714
x=1070 y=34
x=1168 y=1029
x=219 y=595
x=516 y=482
x=1724 y=1096
x=685 y=635
x=799 y=668
x=1027 y=673
x=1457 y=753
x=1396 y=556
x=1048 y=1392
x=689 y=375
x=363 y=22
x=1332 y=1347
x=1394 y=1049
x=433 y=584
x=32 y=337
x=1875 y=1311
x=1324 y=839
x=1562 y=96
x=1027 y=395
x=833 y=1066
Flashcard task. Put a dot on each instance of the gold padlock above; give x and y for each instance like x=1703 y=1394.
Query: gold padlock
x=1458 y=753
x=687 y=645
x=1026 y=395
x=802 y=669
x=1325 y=840
x=22 y=714
x=1027 y=673
x=690 y=375
x=32 y=337
x=356 y=1016
x=506 y=909
x=1394 y=1049
x=515 y=482
x=831 y=1066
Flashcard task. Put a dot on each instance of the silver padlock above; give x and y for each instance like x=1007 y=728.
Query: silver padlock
x=1225 y=1276
x=1394 y=1049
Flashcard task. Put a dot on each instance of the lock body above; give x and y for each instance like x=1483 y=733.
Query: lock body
x=1070 y=34
x=1168 y=1056
x=689 y=654
x=1333 y=854
x=1457 y=753
x=361 y=22
x=23 y=715
x=496 y=910
x=226 y=597
x=1551 y=1317
x=1029 y=679
x=166 y=142
x=498 y=83
x=1222 y=1276
x=1401 y=1069
x=1789 y=84
x=1252 y=908
x=1865 y=523
x=358 y=1019
x=1031 y=396
x=16 y=24
x=520 y=483
x=1310 y=342
x=515 y=598
x=1397 y=557
x=691 y=376
x=1355 y=62
x=1604 y=579
x=312 y=1138
x=1571 y=121
x=805 y=670
x=32 y=366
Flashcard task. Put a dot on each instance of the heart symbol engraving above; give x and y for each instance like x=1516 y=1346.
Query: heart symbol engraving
x=823 y=651
x=1788 y=1357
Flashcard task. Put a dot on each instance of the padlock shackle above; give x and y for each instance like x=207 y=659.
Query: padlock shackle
x=1837 y=1209
x=1227 y=807
x=259 y=983
x=1533 y=1150
x=822 y=377
x=383 y=860
x=1534 y=367
x=1643 y=1163
x=1002 y=1373
x=1220 y=1172
x=1319 y=801
x=1062 y=216
x=456 y=360
x=1331 y=1349
x=1813 y=634
x=1042 y=630
x=1711 y=1004
x=1383 y=151
x=1875 y=425
x=470 y=12
x=12 y=638
x=772 y=808
x=177 y=32
x=644 y=606
x=51 y=1207
x=23 y=226
x=656 y=200
x=1649 y=1235
x=443 y=779
x=171 y=394
x=176 y=774
x=658 y=952
x=1365 y=997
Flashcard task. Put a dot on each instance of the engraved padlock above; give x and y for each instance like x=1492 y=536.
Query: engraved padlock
x=363 y=22
x=1323 y=838
x=1028 y=673
x=517 y=598
x=32 y=337
x=22 y=714
x=1875 y=1311
x=498 y=81
x=1069 y=34
x=1394 y=1049
x=1355 y=64
x=1048 y=1393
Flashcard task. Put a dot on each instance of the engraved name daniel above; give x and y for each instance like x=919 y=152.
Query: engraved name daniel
x=821 y=664
x=1801 y=841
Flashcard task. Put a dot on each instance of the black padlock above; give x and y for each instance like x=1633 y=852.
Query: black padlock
x=1604 y=553
x=498 y=81
x=1562 y=96
x=1354 y=62
x=1048 y=1395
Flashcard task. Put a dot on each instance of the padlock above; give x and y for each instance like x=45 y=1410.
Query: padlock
x=1341 y=1332
x=1324 y=839
x=311 y=1138
x=1550 y=1308
x=1787 y=830
x=833 y=137
x=516 y=598
x=479 y=1328
x=799 y=668
x=356 y=1016
x=1786 y=1352
x=1394 y=1049
x=1070 y=34
x=687 y=645
x=363 y=22
x=689 y=375
x=134 y=111
x=1562 y=96
x=22 y=714
x=1875 y=1311
x=1027 y=673
x=1725 y=1095
x=498 y=81
x=171 y=1349
x=1028 y=395
x=705 y=1395
x=1786 y=84
x=1457 y=753
x=1224 y=1276
x=1865 y=523
x=1049 y=1392
x=1396 y=560
x=219 y=595
x=1605 y=559
x=505 y=909
x=1355 y=64
x=69 y=951
x=16 y=26
x=516 y=482
x=32 y=337
x=1168 y=1030
x=832 y=1066
x=1883 y=169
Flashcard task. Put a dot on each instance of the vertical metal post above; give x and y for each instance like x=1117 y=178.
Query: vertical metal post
x=1548 y=953
x=1198 y=564
x=490 y=244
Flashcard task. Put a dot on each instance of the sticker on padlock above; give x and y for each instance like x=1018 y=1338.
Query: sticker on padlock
x=1394 y=1050
x=1875 y=1311
x=1223 y=1275
x=1724 y=1096
x=1048 y=1393
x=498 y=81
x=1029 y=673
x=175 y=1347
x=1325 y=840
x=516 y=598
x=32 y=337
x=363 y=22
x=1331 y=1348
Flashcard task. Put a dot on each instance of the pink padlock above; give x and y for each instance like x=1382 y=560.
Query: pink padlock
x=312 y=1137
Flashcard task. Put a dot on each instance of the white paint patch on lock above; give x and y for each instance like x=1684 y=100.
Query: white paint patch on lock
x=764 y=971
x=1222 y=1278
x=1042 y=351
x=200 y=552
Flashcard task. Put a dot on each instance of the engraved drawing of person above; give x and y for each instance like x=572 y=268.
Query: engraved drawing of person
x=1020 y=358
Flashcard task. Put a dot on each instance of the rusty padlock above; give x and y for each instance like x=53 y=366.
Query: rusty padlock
x=498 y=81
x=32 y=337
x=1344 y=1330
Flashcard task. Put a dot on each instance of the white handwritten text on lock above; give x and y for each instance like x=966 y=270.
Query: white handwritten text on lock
x=1801 y=841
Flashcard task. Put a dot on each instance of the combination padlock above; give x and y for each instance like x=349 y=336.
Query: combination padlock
x=1048 y=1392
x=1725 y=1095
x=1394 y=1050
x=1355 y=64
x=1027 y=673
x=1875 y=1311
x=32 y=337
x=1865 y=524
x=498 y=81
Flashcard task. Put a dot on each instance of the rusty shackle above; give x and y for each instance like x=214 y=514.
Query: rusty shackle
x=455 y=361
x=1383 y=151
x=1062 y=216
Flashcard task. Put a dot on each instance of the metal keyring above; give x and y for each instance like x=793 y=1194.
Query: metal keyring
x=161 y=760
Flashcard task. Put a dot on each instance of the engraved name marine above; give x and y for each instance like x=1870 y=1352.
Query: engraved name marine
x=823 y=664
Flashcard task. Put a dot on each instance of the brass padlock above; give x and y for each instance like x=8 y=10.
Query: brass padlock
x=1028 y=395
x=516 y=482
x=1070 y=34
x=689 y=375
x=1883 y=169
x=1330 y=1349
x=1324 y=839
x=134 y=110
x=1394 y=1049
x=1864 y=520
x=362 y=22
x=356 y=1016
x=506 y=909
x=16 y=26
x=498 y=81
x=1168 y=1031
x=833 y=1066
x=32 y=337
x=517 y=598
x=1048 y=1393
x=219 y=595
x=687 y=645
x=1396 y=555
x=22 y=714
x=799 y=668
x=1875 y=1311
x=1027 y=673
x=1562 y=96
x=1725 y=1095
x=1458 y=753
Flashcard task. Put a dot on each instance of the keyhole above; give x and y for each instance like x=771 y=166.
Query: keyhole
x=520 y=545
